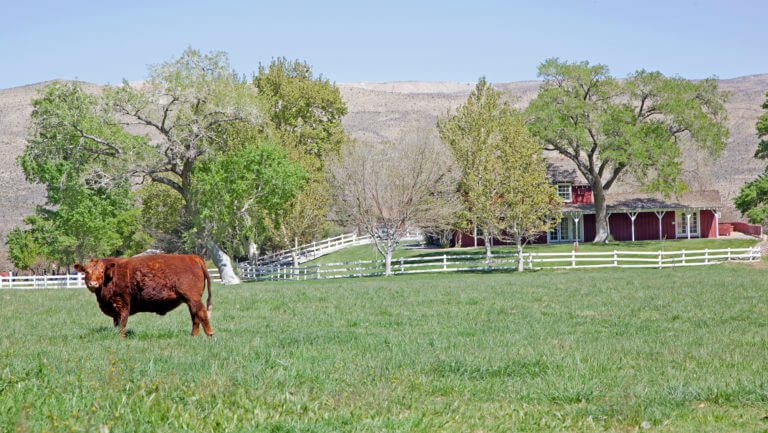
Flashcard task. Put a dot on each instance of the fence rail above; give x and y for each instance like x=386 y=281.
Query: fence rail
x=73 y=281
x=479 y=262
x=314 y=250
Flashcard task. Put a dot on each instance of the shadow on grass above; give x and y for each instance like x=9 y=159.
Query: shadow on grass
x=101 y=331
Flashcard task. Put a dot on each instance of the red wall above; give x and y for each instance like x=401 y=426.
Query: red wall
x=724 y=229
x=708 y=227
x=581 y=194
x=646 y=226
x=750 y=229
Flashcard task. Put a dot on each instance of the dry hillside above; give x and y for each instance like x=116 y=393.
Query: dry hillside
x=379 y=111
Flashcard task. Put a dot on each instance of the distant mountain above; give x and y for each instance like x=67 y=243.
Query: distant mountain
x=380 y=111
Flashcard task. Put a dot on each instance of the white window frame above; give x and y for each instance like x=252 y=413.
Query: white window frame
x=570 y=192
x=681 y=224
x=556 y=235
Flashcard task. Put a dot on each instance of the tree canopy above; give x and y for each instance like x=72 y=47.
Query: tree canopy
x=637 y=126
x=504 y=184
x=189 y=111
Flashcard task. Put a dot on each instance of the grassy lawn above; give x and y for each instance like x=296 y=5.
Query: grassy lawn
x=369 y=252
x=604 y=350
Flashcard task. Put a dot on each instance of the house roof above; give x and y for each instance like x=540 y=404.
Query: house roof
x=563 y=172
x=628 y=202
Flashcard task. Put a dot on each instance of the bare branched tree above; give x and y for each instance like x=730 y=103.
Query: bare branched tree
x=385 y=189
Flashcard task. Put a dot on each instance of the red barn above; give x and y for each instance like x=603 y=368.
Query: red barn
x=632 y=216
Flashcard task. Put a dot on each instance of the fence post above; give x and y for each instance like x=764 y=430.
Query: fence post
x=530 y=261
x=659 y=259
x=729 y=254
x=402 y=267
x=573 y=258
x=445 y=262
x=360 y=269
x=683 y=256
x=706 y=255
x=615 y=259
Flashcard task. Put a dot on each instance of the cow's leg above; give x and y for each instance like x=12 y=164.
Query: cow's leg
x=199 y=316
x=123 y=321
x=116 y=321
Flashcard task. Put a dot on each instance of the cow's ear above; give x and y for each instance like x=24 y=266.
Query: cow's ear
x=79 y=268
x=109 y=269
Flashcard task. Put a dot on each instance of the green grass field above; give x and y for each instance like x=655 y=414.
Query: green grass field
x=603 y=350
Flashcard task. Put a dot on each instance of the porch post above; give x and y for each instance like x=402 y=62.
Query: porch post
x=660 y=215
x=576 y=231
x=632 y=216
x=688 y=223
x=717 y=226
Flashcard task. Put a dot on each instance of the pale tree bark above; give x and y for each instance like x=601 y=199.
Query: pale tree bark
x=224 y=264
x=519 y=245
x=253 y=252
x=388 y=263
x=487 y=240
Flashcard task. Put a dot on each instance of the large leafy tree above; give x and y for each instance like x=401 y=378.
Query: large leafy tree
x=259 y=180
x=752 y=200
x=305 y=112
x=504 y=181
x=634 y=127
x=158 y=131
x=80 y=218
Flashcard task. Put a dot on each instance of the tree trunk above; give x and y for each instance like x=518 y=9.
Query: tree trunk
x=519 y=244
x=223 y=263
x=388 y=263
x=602 y=229
x=253 y=252
x=487 y=241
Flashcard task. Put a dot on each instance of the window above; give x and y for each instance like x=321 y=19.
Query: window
x=566 y=231
x=564 y=191
x=681 y=221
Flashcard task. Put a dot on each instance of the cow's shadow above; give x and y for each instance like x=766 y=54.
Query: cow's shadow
x=105 y=331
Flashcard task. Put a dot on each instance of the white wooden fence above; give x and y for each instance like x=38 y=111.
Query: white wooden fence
x=314 y=250
x=478 y=262
x=59 y=281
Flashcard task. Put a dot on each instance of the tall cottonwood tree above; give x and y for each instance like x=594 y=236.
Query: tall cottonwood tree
x=385 y=189
x=633 y=127
x=504 y=182
x=157 y=131
x=305 y=113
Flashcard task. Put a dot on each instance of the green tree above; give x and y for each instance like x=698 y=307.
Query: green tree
x=31 y=248
x=636 y=126
x=504 y=181
x=181 y=115
x=80 y=218
x=752 y=200
x=305 y=113
x=258 y=178
x=305 y=110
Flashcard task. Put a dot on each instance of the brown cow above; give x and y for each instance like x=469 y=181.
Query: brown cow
x=153 y=283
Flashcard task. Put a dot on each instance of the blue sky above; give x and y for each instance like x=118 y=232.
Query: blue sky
x=105 y=41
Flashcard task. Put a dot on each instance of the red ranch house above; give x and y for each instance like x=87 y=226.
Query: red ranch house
x=632 y=216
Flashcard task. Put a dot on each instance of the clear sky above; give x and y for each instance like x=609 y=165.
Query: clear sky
x=394 y=40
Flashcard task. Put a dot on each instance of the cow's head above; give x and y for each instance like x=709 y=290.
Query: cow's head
x=97 y=273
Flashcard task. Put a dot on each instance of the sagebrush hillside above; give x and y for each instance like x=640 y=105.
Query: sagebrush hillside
x=380 y=111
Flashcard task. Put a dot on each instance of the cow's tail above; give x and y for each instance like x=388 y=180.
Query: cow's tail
x=208 y=304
